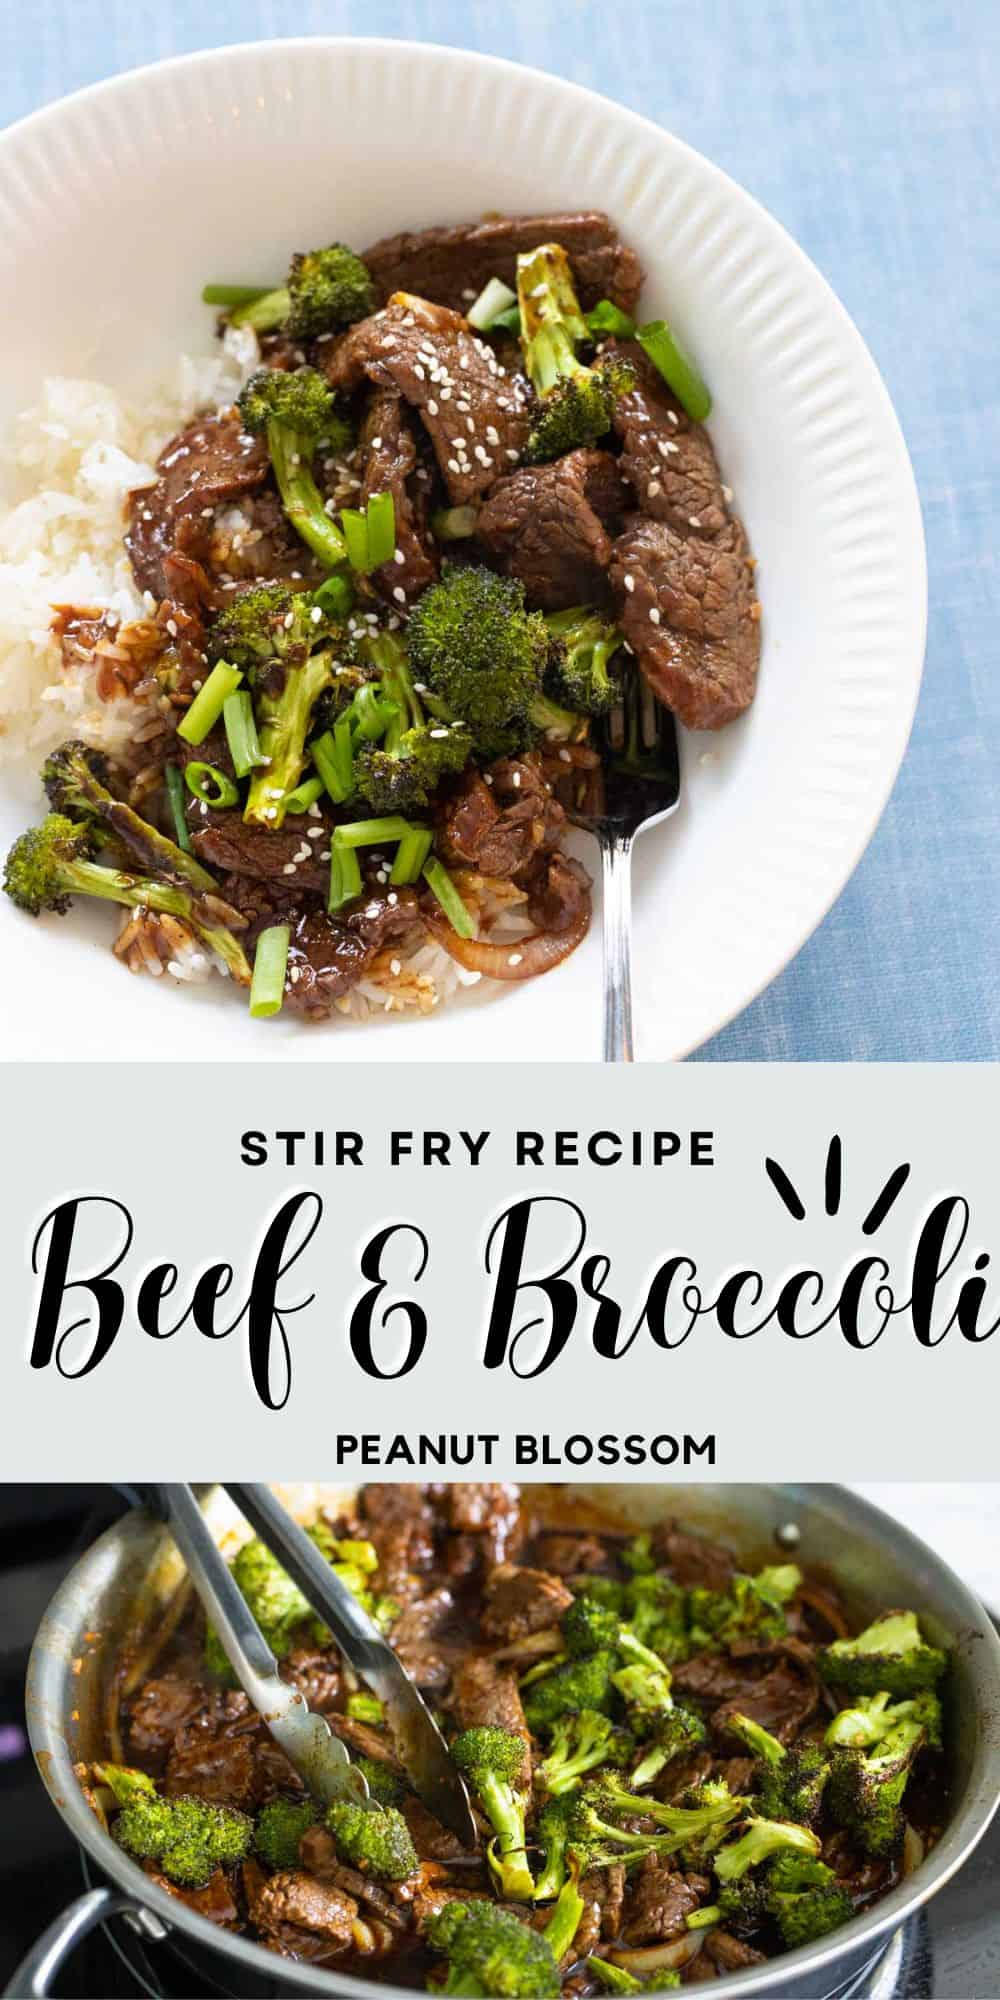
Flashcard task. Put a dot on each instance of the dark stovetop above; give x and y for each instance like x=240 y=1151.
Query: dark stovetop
x=950 y=1952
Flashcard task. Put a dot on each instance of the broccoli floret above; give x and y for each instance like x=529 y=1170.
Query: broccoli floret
x=286 y=698
x=692 y=1830
x=490 y=1951
x=760 y=1839
x=673 y=1732
x=268 y=621
x=576 y=401
x=402 y=772
x=579 y=1684
x=492 y=1759
x=752 y=1607
x=805 y=1899
x=657 y=1614
x=743 y=1904
x=385 y=1785
x=75 y=778
x=579 y=1744
x=873 y=1716
x=326 y=289
x=279 y=1828
x=866 y=1786
x=614 y=1978
x=51 y=863
x=473 y=641
x=713 y=1808
x=125 y=1782
x=588 y=1625
x=276 y=1603
x=637 y=1555
x=297 y=412
x=378 y=1842
x=555 y=1825
x=187 y=1838
x=606 y=1590
x=790 y=1783
x=564 y=1917
x=890 y=1655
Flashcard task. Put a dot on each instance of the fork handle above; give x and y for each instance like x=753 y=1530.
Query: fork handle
x=616 y=856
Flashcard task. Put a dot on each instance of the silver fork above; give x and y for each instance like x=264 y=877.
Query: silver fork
x=637 y=784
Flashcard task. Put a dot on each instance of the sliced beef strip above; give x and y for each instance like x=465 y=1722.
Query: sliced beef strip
x=159 y=1710
x=281 y=855
x=658 y=1903
x=692 y=1560
x=666 y=456
x=476 y=415
x=522 y=1601
x=782 y=1701
x=316 y=1673
x=688 y=611
x=300 y=1913
x=318 y=1854
x=212 y=462
x=432 y=1841
x=541 y=525
x=491 y=1509
x=735 y=1772
x=499 y=827
x=214 y=1901
x=213 y=1765
x=388 y=452
x=484 y=1694
x=327 y=956
x=730 y=1954
x=558 y=894
x=682 y=1772
x=416 y=1643
x=400 y=1522
x=572 y=1555
x=452 y=264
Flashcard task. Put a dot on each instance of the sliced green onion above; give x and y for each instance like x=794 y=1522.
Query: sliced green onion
x=372 y=712
x=304 y=795
x=507 y=322
x=264 y=312
x=267 y=988
x=345 y=877
x=411 y=854
x=210 y=785
x=371 y=832
x=334 y=596
x=678 y=371
x=355 y=527
x=175 y=794
x=209 y=702
x=381 y=529
x=452 y=524
x=241 y=733
x=365 y=1708
x=439 y=881
x=495 y=298
x=332 y=757
x=232 y=295
x=608 y=318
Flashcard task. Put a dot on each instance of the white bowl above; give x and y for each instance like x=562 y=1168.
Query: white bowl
x=119 y=203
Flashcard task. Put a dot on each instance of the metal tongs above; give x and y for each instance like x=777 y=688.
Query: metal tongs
x=319 y=1757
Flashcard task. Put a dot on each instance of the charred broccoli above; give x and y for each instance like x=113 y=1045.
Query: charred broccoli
x=790 y=1782
x=326 y=289
x=805 y=1899
x=279 y=1828
x=867 y=1785
x=576 y=401
x=760 y=1839
x=377 y=1842
x=693 y=1830
x=385 y=1785
x=297 y=412
x=580 y=1743
x=268 y=621
x=490 y=1951
x=51 y=863
x=75 y=780
x=890 y=1655
x=472 y=640
x=583 y=643
x=286 y=697
x=872 y=1718
x=492 y=1759
x=671 y=1734
x=751 y=1608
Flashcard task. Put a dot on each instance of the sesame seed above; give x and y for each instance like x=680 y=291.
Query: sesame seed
x=515 y=958
x=446 y=394
x=399 y=593
x=437 y=732
x=377 y=443
x=470 y=425
x=432 y=409
x=289 y=868
x=398 y=556
x=395 y=967
x=727 y=494
x=314 y=832
x=459 y=443
x=654 y=616
x=516 y=781
x=654 y=488
x=316 y=615
x=465 y=361
x=510 y=453
x=492 y=434
x=453 y=465
x=172 y=627
x=288 y=620
x=630 y=584
x=419 y=372
x=694 y=520
x=392 y=899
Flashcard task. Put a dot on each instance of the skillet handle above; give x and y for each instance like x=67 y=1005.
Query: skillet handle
x=35 y=1974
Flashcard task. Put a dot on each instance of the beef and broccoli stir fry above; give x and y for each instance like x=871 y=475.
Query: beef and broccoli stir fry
x=390 y=594
x=678 y=1767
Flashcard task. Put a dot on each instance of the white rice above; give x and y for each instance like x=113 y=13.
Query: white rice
x=74 y=458
x=73 y=461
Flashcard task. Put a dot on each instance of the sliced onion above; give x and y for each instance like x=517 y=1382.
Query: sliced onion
x=534 y=1646
x=913 y=1850
x=519 y=958
x=654 y=1957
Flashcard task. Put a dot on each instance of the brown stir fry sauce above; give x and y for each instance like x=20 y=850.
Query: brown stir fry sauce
x=481 y=1575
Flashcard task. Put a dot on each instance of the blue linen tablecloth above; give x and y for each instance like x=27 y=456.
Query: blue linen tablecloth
x=872 y=131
